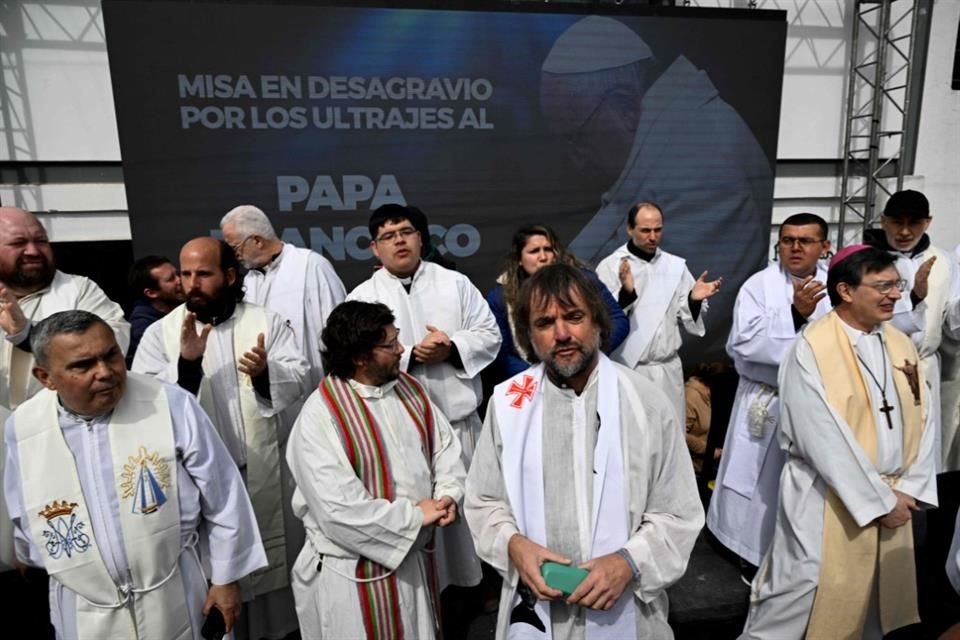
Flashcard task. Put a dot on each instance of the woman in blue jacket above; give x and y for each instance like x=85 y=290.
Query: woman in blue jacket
x=533 y=247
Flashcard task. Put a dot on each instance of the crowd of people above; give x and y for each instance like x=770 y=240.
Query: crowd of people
x=260 y=452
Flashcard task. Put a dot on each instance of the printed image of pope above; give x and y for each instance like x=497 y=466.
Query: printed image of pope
x=643 y=129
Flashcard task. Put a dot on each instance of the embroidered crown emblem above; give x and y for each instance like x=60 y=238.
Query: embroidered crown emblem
x=144 y=478
x=65 y=533
x=57 y=508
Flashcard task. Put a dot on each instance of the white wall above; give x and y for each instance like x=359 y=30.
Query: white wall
x=56 y=104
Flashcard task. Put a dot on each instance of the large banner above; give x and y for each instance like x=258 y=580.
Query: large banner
x=485 y=119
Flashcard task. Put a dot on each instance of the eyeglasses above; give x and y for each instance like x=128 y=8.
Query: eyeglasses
x=238 y=248
x=390 y=236
x=884 y=288
x=393 y=345
x=787 y=242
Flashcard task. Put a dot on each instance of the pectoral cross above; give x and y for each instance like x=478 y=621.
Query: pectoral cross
x=885 y=410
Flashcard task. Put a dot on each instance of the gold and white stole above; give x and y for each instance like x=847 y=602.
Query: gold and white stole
x=260 y=434
x=143 y=458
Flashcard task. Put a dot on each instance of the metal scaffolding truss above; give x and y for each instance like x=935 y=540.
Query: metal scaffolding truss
x=883 y=47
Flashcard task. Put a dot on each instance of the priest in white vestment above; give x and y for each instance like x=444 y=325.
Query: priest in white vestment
x=243 y=363
x=31 y=288
x=581 y=462
x=449 y=335
x=931 y=311
x=377 y=469
x=771 y=308
x=298 y=284
x=115 y=483
x=658 y=294
x=859 y=439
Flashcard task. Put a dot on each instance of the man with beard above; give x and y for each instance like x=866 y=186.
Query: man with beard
x=771 y=309
x=154 y=284
x=856 y=426
x=659 y=295
x=581 y=462
x=113 y=481
x=299 y=284
x=377 y=467
x=242 y=362
x=31 y=288
x=449 y=335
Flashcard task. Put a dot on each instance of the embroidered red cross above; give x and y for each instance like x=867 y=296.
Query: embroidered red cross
x=522 y=391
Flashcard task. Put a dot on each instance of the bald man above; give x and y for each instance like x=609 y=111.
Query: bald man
x=31 y=289
x=243 y=363
x=641 y=129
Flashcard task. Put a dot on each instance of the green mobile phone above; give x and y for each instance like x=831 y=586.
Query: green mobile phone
x=562 y=577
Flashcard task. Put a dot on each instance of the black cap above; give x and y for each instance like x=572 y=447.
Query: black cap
x=907 y=204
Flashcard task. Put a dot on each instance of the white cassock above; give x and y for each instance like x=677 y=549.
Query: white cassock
x=950 y=393
x=213 y=505
x=663 y=287
x=344 y=522
x=744 y=504
x=927 y=324
x=302 y=287
x=272 y=614
x=17 y=383
x=655 y=479
x=448 y=301
x=823 y=453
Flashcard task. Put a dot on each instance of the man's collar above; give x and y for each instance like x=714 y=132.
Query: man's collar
x=640 y=253
x=406 y=279
x=371 y=391
x=856 y=334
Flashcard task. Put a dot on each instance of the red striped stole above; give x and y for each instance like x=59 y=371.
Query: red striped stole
x=363 y=444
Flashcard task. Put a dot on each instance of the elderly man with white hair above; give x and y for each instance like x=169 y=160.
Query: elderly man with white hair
x=298 y=284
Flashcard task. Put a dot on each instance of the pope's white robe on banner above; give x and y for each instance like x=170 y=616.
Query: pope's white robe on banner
x=936 y=317
x=17 y=383
x=448 y=301
x=344 y=522
x=270 y=615
x=213 y=505
x=822 y=454
x=302 y=287
x=663 y=287
x=744 y=503
x=664 y=514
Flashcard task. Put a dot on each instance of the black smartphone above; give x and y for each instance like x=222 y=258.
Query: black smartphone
x=214 y=627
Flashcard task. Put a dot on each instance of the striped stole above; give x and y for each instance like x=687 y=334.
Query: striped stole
x=363 y=444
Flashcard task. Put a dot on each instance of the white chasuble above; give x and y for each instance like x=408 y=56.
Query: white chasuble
x=152 y=604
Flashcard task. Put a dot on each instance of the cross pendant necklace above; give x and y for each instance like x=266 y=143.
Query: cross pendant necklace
x=885 y=408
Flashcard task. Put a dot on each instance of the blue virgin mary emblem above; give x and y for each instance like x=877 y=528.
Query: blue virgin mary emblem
x=145 y=476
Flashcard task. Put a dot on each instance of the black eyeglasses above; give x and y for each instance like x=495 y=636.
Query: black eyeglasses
x=390 y=236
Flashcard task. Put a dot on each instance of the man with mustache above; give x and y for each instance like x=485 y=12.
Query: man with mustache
x=154 y=284
x=857 y=427
x=115 y=483
x=449 y=335
x=243 y=363
x=581 y=462
x=299 y=284
x=31 y=288
x=378 y=470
